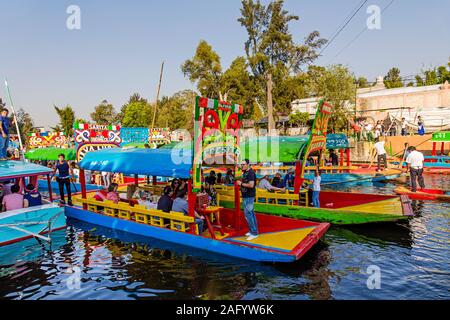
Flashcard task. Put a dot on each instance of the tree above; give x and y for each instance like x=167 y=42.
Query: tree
x=176 y=112
x=270 y=48
x=205 y=70
x=393 y=79
x=419 y=81
x=66 y=119
x=25 y=124
x=2 y=104
x=104 y=114
x=299 y=118
x=362 y=82
x=136 y=113
x=336 y=85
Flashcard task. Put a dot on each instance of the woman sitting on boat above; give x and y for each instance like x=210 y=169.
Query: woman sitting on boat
x=265 y=185
x=32 y=197
x=113 y=195
x=14 y=200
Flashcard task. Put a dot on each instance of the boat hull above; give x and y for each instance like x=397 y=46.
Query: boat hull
x=340 y=208
x=230 y=248
x=39 y=214
x=425 y=194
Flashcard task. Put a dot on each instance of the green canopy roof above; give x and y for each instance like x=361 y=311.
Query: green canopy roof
x=50 y=154
x=274 y=149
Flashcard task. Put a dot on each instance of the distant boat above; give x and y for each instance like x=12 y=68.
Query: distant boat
x=34 y=222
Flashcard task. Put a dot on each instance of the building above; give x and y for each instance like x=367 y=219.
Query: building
x=375 y=103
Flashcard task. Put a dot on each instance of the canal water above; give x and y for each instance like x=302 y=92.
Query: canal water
x=408 y=260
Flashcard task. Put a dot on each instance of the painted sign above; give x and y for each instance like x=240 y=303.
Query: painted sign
x=134 y=135
x=443 y=136
x=216 y=136
x=47 y=139
x=91 y=137
x=318 y=138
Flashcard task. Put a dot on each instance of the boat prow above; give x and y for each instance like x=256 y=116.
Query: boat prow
x=425 y=194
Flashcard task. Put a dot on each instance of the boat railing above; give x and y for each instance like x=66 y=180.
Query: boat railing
x=270 y=198
x=174 y=220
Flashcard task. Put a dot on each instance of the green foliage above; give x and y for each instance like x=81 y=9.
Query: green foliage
x=271 y=50
x=393 y=79
x=104 y=114
x=434 y=76
x=176 y=112
x=205 y=70
x=299 y=118
x=362 y=82
x=66 y=119
x=336 y=85
x=137 y=113
x=25 y=124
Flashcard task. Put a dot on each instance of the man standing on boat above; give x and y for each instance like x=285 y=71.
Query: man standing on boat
x=63 y=179
x=5 y=123
x=248 y=189
x=414 y=163
x=378 y=148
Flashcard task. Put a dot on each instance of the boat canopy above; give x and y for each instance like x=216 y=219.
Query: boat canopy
x=274 y=149
x=50 y=154
x=16 y=169
x=175 y=163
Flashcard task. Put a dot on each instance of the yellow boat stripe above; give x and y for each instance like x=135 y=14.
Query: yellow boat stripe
x=282 y=241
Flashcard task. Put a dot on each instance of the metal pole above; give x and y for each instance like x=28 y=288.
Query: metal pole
x=15 y=118
x=157 y=95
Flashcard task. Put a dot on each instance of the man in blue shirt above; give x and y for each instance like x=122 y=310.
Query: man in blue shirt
x=5 y=123
x=288 y=181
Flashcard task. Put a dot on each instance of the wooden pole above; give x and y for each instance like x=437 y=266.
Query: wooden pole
x=15 y=119
x=157 y=96
x=49 y=183
x=83 y=187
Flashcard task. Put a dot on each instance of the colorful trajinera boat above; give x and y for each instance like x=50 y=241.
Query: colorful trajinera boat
x=280 y=239
x=37 y=222
x=425 y=194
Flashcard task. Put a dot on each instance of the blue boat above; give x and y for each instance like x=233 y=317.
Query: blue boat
x=34 y=222
x=280 y=239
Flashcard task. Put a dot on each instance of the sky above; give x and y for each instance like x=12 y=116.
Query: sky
x=121 y=44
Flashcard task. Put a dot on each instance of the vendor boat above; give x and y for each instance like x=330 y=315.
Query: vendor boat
x=34 y=222
x=425 y=194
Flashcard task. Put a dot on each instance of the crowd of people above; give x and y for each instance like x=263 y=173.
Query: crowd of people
x=367 y=131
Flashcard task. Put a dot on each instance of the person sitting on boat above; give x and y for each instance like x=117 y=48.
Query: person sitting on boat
x=219 y=178
x=175 y=185
x=414 y=163
x=165 y=202
x=379 y=150
x=101 y=195
x=145 y=201
x=180 y=204
x=404 y=127
x=334 y=158
x=229 y=178
x=288 y=180
x=316 y=189
x=113 y=195
x=32 y=197
x=266 y=185
x=277 y=181
x=211 y=179
x=14 y=200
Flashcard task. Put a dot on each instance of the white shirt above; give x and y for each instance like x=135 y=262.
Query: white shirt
x=379 y=147
x=415 y=159
x=404 y=124
x=264 y=184
x=316 y=183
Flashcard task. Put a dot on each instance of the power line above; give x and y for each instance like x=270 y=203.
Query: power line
x=359 y=34
x=339 y=30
